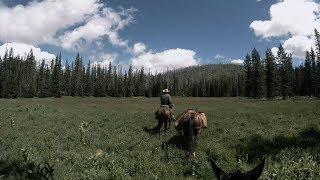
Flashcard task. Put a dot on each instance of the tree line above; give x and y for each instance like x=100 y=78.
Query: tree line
x=275 y=75
x=24 y=78
x=271 y=77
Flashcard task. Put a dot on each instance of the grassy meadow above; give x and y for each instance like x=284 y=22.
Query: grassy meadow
x=111 y=138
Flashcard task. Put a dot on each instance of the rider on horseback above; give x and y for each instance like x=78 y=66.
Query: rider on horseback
x=166 y=100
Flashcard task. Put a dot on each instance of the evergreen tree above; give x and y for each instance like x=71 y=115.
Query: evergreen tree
x=270 y=75
x=77 y=75
x=2 y=75
x=287 y=73
x=249 y=78
x=47 y=87
x=257 y=75
x=313 y=71
x=56 y=78
x=307 y=75
x=115 y=90
x=317 y=66
x=140 y=85
x=88 y=81
x=67 y=80
x=28 y=84
x=130 y=82
x=41 y=81
x=299 y=80
x=100 y=84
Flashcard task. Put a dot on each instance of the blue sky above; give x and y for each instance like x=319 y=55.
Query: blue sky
x=158 y=33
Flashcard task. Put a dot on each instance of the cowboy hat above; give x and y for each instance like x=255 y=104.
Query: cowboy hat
x=165 y=91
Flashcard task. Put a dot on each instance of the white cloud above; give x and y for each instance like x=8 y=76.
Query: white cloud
x=297 y=45
x=107 y=23
x=296 y=18
x=23 y=49
x=139 y=48
x=71 y=24
x=166 y=60
x=103 y=59
x=38 y=22
x=237 y=61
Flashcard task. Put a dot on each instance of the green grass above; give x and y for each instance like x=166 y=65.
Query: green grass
x=108 y=138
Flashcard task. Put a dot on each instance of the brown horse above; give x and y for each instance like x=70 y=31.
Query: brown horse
x=192 y=123
x=163 y=115
x=254 y=174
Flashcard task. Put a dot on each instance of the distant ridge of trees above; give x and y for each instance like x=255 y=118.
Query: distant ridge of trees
x=271 y=77
x=24 y=78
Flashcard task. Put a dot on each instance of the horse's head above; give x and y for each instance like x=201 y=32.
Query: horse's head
x=254 y=174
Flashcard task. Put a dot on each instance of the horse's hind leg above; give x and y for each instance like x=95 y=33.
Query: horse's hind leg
x=166 y=126
x=160 y=122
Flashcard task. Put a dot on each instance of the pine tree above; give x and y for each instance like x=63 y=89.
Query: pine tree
x=140 y=85
x=56 y=78
x=77 y=75
x=270 y=75
x=67 y=80
x=109 y=80
x=100 y=84
x=115 y=86
x=257 y=75
x=317 y=66
x=130 y=82
x=313 y=71
x=287 y=73
x=248 y=71
x=307 y=75
x=88 y=81
x=299 y=80
x=1 y=76
x=41 y=81
x=28 y=81
x=47 y=87
x=12 y=76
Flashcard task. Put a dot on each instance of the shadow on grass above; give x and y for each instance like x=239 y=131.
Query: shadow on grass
x=256 y=146
x=151 y=131
x=177 y=141
x=16 y=169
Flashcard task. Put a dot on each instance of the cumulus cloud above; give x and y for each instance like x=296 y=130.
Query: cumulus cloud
x=107 y=23
x=23 y=49
x=166 y=60
x=297 y=17
x=139 y=48
x=70 y=24
x=297 y=45
x=294 y=18
x=38 y=22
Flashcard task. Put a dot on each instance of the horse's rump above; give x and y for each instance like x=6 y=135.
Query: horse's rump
x=187 y=114
x=163 y=111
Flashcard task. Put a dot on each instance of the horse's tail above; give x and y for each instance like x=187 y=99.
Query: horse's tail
x=190 y=132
